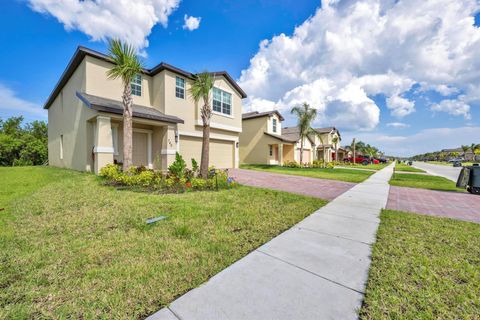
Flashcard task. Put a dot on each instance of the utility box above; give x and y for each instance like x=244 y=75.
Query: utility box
x=470 y=178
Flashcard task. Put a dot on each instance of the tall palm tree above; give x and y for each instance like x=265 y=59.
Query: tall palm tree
x=353 y=147
x=335 y=142
x=200 y=90
x=305 y=115
x=126 y=66
x=465 y=149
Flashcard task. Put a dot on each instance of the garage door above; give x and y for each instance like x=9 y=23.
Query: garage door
x=139 y=151
x=306 y=156
x=221 y=152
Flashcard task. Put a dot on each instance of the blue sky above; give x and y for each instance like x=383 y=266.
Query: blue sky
x=392 y=98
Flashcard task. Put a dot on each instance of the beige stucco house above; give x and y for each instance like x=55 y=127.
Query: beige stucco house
x=263 y=140
x=330 y=142
x=85 y=117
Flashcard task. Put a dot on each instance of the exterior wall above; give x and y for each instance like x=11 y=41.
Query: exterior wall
x=270 y=124
x=254 y=144
x=68 y=116
x=307 y=148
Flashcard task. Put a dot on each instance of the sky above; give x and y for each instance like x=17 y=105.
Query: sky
x=403 y=75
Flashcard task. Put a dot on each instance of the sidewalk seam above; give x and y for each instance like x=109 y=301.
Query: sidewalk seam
x=334 y=235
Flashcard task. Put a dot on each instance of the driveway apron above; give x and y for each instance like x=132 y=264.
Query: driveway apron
x=316 y=270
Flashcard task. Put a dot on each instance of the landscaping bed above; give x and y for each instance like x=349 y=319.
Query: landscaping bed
x=71 y=247
x=424 y=182
x=348 y=175
x=423 y=268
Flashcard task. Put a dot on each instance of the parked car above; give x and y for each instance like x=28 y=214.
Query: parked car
x=382 y=160
x=363 y=160
x=457 y=164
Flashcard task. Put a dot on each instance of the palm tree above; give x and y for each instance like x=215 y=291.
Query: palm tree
x=305 y=115
x=319 y=135
x=475 y=150
x=465 y=149
x=126 y=66
x=200 y=89
x=353 y=146
x=335 y=141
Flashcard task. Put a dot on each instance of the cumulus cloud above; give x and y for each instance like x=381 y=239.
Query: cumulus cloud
x=350 y=51
x=131 y=21
x=398 y=125
x=191 y=23
x=12 y=104
x=455 y=107
x=424 y=141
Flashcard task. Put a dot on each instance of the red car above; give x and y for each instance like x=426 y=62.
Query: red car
x=362 y=160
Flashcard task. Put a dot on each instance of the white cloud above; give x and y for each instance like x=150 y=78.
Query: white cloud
x=424 y=141
x=191 y=23
x=131 y=21
x=455 y=107
x=349 y=51
x=398 y=125
x=11 y=103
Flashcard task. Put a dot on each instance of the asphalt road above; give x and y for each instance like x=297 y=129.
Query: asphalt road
x=448 y=172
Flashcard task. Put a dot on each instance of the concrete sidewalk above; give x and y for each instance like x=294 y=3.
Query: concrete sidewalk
x=316 y=270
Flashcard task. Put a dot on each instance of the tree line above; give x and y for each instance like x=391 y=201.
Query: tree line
x=469 y=152
x=23 y=144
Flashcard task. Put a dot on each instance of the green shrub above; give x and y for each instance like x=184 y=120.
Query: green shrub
x=177 y=168
x=291 y=164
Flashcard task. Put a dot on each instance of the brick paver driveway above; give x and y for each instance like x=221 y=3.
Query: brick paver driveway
x=314 y=187
x=462 y=206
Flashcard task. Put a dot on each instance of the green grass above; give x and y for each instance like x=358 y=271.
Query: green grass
x=449 y=164
x=406 y=168
x=347 y=175
x=424 y=182
x=424 y=268
x=370 y=166
x=72 y=248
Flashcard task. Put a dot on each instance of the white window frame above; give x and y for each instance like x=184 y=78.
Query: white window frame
x=177 y=87
x=135 y=84
x=231 y=103
x=274 y=125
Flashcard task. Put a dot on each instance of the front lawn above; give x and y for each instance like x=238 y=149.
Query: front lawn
x=72 y=248
x=406 y=168
x=424 y=268
x=424 y=182
x=371 y=166
x=348 y=175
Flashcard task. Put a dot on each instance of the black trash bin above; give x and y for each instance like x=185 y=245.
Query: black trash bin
x=470 y=178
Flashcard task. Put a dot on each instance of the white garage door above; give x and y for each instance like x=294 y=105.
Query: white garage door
x=221 y=152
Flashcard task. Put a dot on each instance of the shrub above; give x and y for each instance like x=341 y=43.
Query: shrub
x=291 y=164
x=317 y=164
x=177 y=168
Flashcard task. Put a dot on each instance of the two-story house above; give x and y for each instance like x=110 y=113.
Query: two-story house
x=264 y=141
x=85 y=117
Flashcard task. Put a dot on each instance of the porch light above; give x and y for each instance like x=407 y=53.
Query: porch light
x=176 y=136
x=236 y=144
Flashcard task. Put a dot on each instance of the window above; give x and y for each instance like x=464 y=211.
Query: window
x=136 y=85
x=274 y=125
x=180 y=88
x=271 y=150
x=61 y=146
x=222 y=101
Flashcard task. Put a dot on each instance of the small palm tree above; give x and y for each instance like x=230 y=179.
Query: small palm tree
x=305 y=115
x=353 y=147
x=465 y=149
x=200 y=90
x=126 y=66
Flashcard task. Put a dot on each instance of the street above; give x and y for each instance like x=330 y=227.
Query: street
x=448 y=172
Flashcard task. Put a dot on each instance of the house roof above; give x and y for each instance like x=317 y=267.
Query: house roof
x=116 y=107
x=293 y=134
x=328 y=130
x=81 y=52
x=281 y=138
x=256 y=114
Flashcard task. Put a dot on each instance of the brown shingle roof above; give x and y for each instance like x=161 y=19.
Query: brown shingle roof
x=116 y=107
x=256 y=114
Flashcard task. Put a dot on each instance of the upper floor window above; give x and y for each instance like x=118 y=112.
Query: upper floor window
x=180 y=88
x=136 y=85
x=274 y=125
x=222 y=101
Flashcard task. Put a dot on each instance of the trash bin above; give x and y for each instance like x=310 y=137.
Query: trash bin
x=470 y=178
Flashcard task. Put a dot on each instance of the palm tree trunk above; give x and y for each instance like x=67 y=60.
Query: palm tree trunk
x=301 y=150
x=205 y=152
x=324 y=161
x=127 y=127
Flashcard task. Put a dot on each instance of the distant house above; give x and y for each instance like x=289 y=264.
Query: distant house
x=263 y=140
x=85 y=117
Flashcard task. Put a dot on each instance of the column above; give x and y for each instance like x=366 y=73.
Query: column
x=170 y=144
x=103 y=143
x=280 y=154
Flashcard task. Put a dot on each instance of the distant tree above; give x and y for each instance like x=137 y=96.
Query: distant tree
x=22 y=145
x=465 y=149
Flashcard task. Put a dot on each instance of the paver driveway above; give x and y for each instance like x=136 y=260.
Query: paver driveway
x=462 y=206
x=314 y=187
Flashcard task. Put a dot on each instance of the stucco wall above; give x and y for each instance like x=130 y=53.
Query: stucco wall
x=68 y=116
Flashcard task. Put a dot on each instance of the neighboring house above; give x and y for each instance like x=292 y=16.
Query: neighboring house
x=85 y=117
x=328 y=134
x=264 y=141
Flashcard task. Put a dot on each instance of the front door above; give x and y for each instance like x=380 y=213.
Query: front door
x=140 y=149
